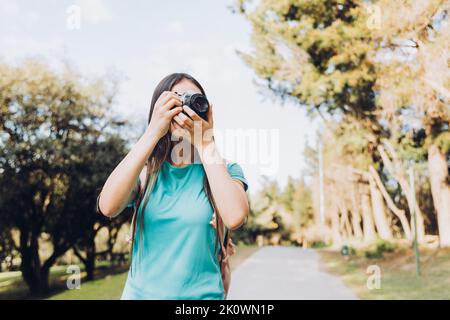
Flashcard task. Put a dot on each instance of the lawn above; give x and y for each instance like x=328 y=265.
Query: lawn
x=398 y=274
x=107 y=288
x=108 y=285
x=111 y=287
x=13 y=287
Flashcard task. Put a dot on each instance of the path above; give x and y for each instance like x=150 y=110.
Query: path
x=285 y=273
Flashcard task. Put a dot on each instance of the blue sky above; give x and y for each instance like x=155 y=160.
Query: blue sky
x=146 y=40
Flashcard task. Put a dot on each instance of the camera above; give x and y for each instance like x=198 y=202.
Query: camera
x=196 y=102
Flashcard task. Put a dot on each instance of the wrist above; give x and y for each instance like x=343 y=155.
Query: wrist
x=151 y=132
x=208 y=144
x=205 y=140
x=151 y=136
x=209 y=154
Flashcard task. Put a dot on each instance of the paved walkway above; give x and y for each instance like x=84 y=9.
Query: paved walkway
x=285 y=273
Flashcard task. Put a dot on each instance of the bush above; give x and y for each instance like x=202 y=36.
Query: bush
x=378 y=248
x=319 y=244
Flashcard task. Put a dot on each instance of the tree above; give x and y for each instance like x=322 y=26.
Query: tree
x=316 y=52
x=50 y=127
x=413 y=81
x=387 y=78
x=7 y=248
x=98 y=160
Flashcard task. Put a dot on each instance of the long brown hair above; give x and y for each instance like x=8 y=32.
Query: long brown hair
x=160 y=154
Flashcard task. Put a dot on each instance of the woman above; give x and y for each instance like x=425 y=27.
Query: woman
x=178 y=239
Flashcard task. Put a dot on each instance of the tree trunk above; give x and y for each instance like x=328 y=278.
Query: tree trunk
x=36 y=280
x=368 y=225
x=44 y=286
x=379 y=213
x=335 y=228
x=403 y=182
x=90 y=262
x=30 y=272
x=348 y=226
x=89 y=257
x=356 y=217
x=440 y=189
x=345 y=220
x=398 y=212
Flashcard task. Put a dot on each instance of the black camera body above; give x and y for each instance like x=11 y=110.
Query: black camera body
x=196 y=102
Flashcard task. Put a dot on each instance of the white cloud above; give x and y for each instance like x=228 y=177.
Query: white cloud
x=9 y=7
x=14 y=18
x=175 y=27
x=95 y=11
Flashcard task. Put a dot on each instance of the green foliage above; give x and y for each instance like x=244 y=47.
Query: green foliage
x=412 y=84
x=350 y=144
x=319 y=244
x=377 y=249
x=59 y=139
x=286 y=211
x=369 y=81
x=316 y=51
x=443 y=142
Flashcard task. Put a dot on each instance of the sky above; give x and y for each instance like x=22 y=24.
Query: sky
x=144 y=41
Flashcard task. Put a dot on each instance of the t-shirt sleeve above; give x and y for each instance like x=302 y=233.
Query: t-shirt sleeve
x=131 y=204
x=236 y=172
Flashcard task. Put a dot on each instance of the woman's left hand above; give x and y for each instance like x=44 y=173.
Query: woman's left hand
x=197 y=130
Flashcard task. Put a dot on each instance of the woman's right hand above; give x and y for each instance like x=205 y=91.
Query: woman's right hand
x=117 y=191
x=163 y=113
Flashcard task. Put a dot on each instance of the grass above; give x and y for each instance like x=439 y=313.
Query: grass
x=107 y=288
x=12 y=285
x=108 y=285
x=398 y=274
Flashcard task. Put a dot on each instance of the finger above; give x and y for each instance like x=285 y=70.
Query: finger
x=172 y=126
x=191 y=113
x=178 y=120
x=185 y=121
x=179 y=130
x=173 y=112
x=170 y=103
x=177 y=126
x=163 y=98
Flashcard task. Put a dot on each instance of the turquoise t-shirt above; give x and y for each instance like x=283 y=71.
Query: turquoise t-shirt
x=177 y=259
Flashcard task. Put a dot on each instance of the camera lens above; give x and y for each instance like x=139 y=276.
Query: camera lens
x=200 y=103
x=196 y=102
